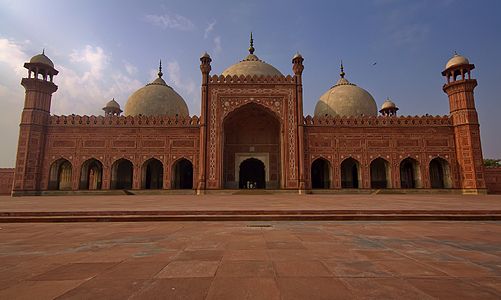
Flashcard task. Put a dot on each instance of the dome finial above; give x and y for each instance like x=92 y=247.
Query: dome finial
x=160 y=74
x=251 y=48
x=342 y=70
x=43 y=51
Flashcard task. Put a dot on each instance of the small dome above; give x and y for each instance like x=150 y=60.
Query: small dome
x=42 y=59
x=346 y=99
x=388 y=104
x=457 y=60
x=297 y=55
x=156 y=98
x=112 y=104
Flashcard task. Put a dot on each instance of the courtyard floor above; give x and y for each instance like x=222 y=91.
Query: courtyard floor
x=251 y=260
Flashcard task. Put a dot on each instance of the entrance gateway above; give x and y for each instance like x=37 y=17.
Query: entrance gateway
x=252 y=170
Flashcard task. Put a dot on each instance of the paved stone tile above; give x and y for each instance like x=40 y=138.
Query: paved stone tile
x=214 y=255
x=301 y=268
x=289 y=254
x=109 y=289
x=373 y=259
x=74 y=271
x=318 y=288
x=463 y=269
x=39 y=289
x=407 y=268
x=246 y=268
x=285 y=245
x=361 y=268
x=189 y=268
x=246 y=255
x=175 y=289
x=448 y=288
x=224 y=288
x=383 y=288
x=134 y=270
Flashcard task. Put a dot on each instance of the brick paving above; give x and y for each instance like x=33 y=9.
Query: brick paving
x=251 y=260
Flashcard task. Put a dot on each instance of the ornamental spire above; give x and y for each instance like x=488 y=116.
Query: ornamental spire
x=251 y=48
x=342 y=70
x=160 y=74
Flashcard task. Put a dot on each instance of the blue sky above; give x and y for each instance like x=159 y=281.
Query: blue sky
x=106 y=49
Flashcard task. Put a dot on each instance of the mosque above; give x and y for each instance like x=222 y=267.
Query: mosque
x=251 y=134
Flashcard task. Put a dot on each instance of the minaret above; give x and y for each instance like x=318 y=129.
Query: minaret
x=34 y=120
x=205 y=68
x=297 y=68
x=459 y=88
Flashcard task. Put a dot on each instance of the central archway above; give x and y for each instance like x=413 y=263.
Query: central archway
x=251 y=132
x=252 y=174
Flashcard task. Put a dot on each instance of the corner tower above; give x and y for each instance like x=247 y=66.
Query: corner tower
x=39 y=88
x=459 y=88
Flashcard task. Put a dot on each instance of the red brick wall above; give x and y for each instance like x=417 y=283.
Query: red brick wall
x=107 y=139
x=391 y=138
x=6 y=179
x=493 y=180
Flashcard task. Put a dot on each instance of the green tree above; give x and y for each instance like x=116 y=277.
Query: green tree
x=490 y=162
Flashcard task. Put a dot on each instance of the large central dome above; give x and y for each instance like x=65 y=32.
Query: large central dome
x=252 y=65
x=156 y=98
x=346 y=99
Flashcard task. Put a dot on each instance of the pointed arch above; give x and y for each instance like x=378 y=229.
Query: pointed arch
x=380 y=173
x=122 y=171
x=350 y=173
x=320 y=174
x=91 y=175
x=440 y=176
x=182 y=174
x=60 y=176
x=152 y=174
x=410 y=174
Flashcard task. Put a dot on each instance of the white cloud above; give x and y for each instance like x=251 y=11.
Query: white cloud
x=217 y=45
x=171 y=21
x=90 y=82
x=131 y=69
x=12 y=54
x=186 y=86
x=209 y=29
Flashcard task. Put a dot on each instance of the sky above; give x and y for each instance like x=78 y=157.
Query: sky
x=109 y=49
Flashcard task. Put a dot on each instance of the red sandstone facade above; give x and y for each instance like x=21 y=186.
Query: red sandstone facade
x=251 y=133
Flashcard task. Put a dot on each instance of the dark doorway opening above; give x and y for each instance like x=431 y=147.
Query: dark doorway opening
x=91 y=177
x=153 y=174
x=122 y=172
x=252 y=174
x=439 y=173
x=409 y=174
x=379 y=173
x=183 y=174
x=349 y=173
x=320 y=174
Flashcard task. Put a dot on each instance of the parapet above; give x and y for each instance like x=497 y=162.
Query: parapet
x=125 y=121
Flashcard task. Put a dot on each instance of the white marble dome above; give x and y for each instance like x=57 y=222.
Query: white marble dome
x=346 y=99
x=156 y=98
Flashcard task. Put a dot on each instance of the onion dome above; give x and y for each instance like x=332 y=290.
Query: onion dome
x=346 y=99
x=156 y=98
x=456 y=60
x=388 y=108
x=112 y=108
x=42 y=59
x=252 y=65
